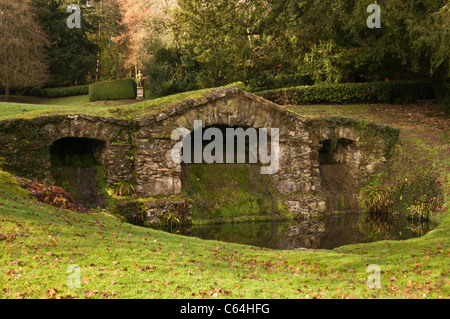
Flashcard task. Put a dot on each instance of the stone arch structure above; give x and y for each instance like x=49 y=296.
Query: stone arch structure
x=231 y=108
x=75 y=167
x=114 y=134
x=139 y=151
x=298 y=179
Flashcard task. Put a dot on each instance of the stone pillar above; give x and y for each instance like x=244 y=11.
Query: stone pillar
x=140 y=92
x=156 y=174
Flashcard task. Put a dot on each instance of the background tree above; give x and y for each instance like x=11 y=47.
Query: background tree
x=169 y=69
x=272 y=43
x=110 y=62
x=22 y=47
x=72 y=52
x=137 y=28
x=431 y=38
x=220 y=36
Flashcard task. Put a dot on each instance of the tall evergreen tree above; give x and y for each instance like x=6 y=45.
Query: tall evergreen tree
x=72 y=52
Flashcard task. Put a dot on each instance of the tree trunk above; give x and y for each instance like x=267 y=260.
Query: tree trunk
x=7 y=93
x=441 y=84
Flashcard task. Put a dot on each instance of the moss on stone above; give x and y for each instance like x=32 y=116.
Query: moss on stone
x=228 y=192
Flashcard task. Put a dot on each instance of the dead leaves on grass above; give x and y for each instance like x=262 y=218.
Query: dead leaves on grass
x=52 y=195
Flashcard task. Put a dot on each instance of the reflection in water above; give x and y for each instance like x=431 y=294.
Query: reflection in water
x=331 y=231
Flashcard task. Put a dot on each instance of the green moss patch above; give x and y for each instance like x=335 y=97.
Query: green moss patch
x=228 y=192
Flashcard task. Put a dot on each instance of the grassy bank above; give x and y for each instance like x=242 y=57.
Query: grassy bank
x=118 y=260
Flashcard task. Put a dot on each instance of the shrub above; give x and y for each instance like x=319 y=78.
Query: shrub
x=2 y=163
x=113 y=90
x=50 y=92
x=416 y=199
x=124 y=188
x=376 y=197
x=387 y=92
x=65 y=91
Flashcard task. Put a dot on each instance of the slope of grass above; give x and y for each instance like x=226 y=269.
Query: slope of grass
x=121 y=109
x=118 y=260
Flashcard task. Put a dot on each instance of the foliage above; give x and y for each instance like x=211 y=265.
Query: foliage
x=172 y=221
x=418 y=198
x=124 y=188
x=323 y=63
x=112 y=90
x=388 y=92
x=266 y=44
x=22 y=48
x=260 y=41
x=51 y=92
x=168 y=72
x=52 y=195
x=376 y=197
x=2 y=163
x=64 y=91
x=137 y=27
x=215 y=35
x=72 y=53
x=431 y=38
x=110 y=60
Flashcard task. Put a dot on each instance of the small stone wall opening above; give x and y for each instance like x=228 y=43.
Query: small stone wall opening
x=338 y=169
x=76 y=167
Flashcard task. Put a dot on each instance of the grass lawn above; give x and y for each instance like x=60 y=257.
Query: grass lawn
x=30 y=107
x=118 y=260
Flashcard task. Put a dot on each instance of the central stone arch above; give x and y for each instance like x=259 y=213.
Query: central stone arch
x=226 y=108
x=299 y=180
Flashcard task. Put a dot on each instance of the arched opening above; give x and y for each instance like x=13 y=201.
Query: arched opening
x=337 y=159
x=223 y=177
x=76 y=167
x=235 y=145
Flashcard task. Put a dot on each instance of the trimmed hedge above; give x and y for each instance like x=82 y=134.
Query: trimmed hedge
x=113 y=90
x=66 y=91
x=50 y=92
x=387 y=92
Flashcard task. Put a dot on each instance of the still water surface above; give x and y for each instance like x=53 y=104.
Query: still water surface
x=332 y=231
